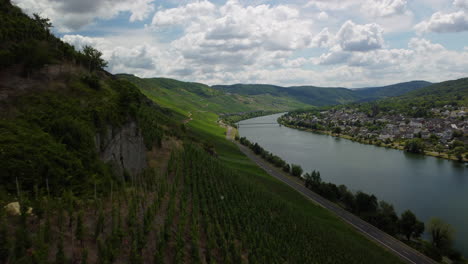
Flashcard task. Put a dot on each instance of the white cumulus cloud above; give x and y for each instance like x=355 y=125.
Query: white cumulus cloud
x=354 y=37
x=384 y=8
x=444 y=22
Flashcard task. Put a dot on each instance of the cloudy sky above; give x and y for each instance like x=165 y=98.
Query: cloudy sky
x=350 y=43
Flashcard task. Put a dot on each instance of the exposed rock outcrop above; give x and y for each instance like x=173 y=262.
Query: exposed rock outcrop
x=123 y=148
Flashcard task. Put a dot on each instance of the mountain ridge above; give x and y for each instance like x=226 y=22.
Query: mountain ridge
x=321 y=96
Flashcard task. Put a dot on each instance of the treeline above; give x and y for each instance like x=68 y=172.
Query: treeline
x=270 y=157
x=383 y=216
x=232 y=119
x=366 y=206
x=28 y=42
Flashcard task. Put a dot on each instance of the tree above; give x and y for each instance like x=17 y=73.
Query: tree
x=458 y=152
x=60 y=254
x=99 y=224
x=80 y=232
x=387 y=219
x=296 y=170
x=44 y=23
x=316 y=177
x=366 y=204
x=93 y=58
x=442 y=234
x=337 y=130
x=415 y=145
x=439 y=148
x=410 y=226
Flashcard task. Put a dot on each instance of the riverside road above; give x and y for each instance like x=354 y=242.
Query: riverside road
x=392 y=244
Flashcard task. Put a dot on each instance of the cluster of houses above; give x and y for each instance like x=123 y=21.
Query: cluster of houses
x=442 y=126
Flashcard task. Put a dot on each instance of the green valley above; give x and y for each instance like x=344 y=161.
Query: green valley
x=104 y=168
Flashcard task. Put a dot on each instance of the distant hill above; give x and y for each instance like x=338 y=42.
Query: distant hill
x=419 y=102
x=189 y=96
x=321 y=96
x=317 y=96
x=398 y=89
x=454 y=90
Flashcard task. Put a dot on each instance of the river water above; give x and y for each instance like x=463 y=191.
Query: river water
x=428 y=186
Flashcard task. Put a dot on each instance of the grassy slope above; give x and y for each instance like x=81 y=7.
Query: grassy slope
x=193 y=97
x=204 y=126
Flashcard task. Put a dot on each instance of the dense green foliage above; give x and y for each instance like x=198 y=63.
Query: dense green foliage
x=195 y=97
x=270 y=157
x=322 y=96
x=418 y=103
x=442 y=234
x=415 y=145
x=51 y=138
x=410 y=226
x=28 y=42
x=379 y=213
x=311 y=95
x=232 y=119
x=373 y=93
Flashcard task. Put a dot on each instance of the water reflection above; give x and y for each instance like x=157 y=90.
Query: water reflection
x=426 y=185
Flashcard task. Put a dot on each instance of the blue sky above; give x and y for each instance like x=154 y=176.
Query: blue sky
x=352 y=43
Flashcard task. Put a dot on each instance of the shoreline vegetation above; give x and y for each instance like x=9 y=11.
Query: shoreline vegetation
x=406 y=228
x=233 y=118
x=394 y=145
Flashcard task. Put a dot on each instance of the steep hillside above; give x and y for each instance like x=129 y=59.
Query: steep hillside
x=188 y=96
x=63 y=120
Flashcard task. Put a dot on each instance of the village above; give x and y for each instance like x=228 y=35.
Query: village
x=447 y=124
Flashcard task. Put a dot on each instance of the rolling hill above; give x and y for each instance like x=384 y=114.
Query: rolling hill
x=322 y=96
x=419 y=102
x=373 y=93
x=188 y=96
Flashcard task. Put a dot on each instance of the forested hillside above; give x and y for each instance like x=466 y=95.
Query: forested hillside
x=322 y=96
x=373 y=93
x=199 y=97
x=419 y=103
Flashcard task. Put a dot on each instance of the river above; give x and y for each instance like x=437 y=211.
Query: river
x=428 y=186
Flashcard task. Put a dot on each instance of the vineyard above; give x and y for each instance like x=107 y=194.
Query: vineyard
x=197 y=212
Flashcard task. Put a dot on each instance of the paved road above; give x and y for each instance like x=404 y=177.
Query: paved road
x=399 y=248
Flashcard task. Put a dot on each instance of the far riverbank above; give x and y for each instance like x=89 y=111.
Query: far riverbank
x=442 y=155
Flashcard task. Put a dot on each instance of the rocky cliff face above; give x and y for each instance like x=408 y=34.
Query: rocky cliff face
x=123 y=148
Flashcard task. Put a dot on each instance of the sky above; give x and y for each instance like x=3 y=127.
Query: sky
x=332 y=43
